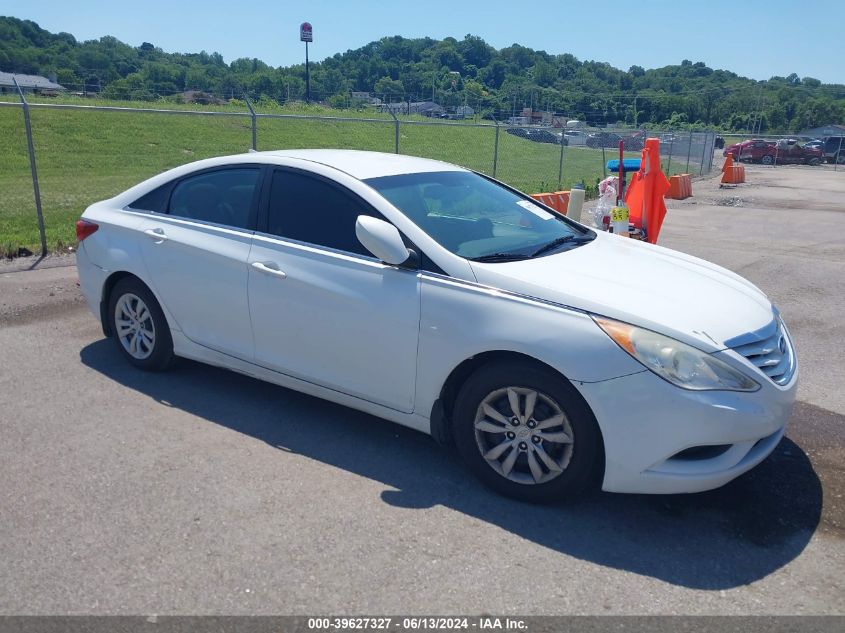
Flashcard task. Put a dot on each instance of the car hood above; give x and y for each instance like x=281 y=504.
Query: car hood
x=663 y=290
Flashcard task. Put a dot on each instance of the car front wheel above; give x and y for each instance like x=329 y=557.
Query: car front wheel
x=526 y=432
x=139 y=326
x=767 y=160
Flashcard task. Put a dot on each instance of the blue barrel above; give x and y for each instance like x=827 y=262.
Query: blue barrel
x=630 y=165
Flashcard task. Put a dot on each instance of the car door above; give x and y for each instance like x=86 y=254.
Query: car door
x=195 y=248
x=323 y=309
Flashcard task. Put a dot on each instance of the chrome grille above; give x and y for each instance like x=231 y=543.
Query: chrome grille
x=770 y=351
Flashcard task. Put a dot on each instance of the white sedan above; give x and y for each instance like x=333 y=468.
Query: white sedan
x=418 y=291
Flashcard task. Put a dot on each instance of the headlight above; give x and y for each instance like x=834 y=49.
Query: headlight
x=676 y=362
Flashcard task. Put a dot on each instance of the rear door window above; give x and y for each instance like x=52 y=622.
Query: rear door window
x=223 y=196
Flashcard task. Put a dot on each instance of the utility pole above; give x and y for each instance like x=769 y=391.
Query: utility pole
x=306 y=34
x=757 y=111
x=307 y=76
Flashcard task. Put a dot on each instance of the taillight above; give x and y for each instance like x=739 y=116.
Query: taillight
x=84 y=228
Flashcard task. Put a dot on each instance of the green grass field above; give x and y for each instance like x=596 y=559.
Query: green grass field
x=88 y=155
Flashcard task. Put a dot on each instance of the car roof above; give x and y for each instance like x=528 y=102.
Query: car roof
x=358 y=164
x=363 y=165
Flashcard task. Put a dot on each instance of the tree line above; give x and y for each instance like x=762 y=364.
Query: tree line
x=452 y=72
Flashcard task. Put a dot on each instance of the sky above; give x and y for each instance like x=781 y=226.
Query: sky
x=754 y=38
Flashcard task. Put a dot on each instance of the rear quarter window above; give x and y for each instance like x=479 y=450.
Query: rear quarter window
x=155 y=200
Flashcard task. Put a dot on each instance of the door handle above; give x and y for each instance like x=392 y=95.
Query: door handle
x=157 y=234
x=270 y=268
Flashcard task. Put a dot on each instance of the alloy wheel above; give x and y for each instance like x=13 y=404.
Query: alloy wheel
x=134 y=326
x=524 y=435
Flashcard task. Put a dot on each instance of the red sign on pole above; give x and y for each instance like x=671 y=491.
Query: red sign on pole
x=305 y=32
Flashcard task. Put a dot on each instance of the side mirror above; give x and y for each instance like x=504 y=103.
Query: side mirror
x=382 y=239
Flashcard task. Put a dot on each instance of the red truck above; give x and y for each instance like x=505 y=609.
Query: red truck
x=793 y=152
x=752 y=150
x=781 y=152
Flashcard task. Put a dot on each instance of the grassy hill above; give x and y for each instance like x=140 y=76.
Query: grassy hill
x=88 y=155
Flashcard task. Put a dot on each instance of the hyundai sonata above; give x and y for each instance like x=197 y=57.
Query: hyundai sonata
x=424 y=293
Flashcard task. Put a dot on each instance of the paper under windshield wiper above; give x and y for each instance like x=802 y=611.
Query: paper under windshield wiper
x=566 y=239
x=499 y=257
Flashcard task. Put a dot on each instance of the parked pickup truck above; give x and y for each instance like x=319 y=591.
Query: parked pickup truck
x=768 y=153
x=792 y=152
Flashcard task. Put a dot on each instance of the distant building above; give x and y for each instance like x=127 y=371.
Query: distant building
x=825 y=130
x=201 y=97
x=28 y=83
x=464 y=111
x=425 y=108
x=537 y=117
x=365 y=98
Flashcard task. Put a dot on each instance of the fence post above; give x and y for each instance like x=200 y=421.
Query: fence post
x=560 y=163
x=35 y=189
x=703 y=155
x=710 y=155
x=838 y=154
x=252 y=115
x=671 y=144
x=603 y=161
x=496 y=148
x=689 y=152
x=395 y=131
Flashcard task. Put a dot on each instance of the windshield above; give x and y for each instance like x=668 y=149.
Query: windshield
x=477 y=218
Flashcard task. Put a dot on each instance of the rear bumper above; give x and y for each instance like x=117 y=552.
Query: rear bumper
x=92 y=278
x=646 y=422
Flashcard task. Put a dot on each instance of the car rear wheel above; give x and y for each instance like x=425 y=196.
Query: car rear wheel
x=815 y=162
x=139 y=326
x=526 y=433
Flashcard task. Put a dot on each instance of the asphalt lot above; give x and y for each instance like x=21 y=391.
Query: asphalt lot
x=203 y=491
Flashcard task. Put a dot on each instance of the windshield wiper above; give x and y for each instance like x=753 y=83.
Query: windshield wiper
x=499 y=257
x=566 y=239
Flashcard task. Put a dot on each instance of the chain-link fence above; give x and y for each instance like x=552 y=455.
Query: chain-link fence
x=74 y=154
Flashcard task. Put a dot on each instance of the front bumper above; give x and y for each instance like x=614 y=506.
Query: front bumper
x=646 y=422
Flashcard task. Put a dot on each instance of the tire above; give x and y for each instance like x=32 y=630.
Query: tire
x=561 y=469
x=815 y=162
x=134 y=310
x=839 y=159
x=767 y=160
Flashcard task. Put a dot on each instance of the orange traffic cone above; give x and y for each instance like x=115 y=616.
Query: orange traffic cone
x=727 y=169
